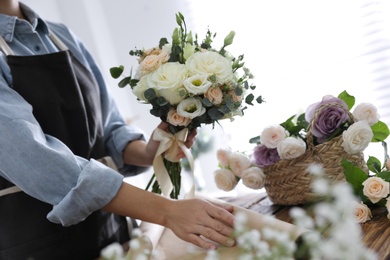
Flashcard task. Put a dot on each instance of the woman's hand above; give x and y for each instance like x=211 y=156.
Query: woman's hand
x=199 y=222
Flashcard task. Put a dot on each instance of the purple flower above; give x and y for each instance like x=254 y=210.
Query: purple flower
x=264 y=156
x=328 y=121
x=310 y=111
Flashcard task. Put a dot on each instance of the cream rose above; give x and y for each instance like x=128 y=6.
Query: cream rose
x=215 y=95
x=291 y=148
x=357 y=137
x=211 y=63
x=223 y=156
x=273 y=135
x=362 y=212
x=191 y=108
x=367 y=112
x=375 y=189
x=151 y=62
x=175 y=119
x=253 y=178
x=225 y=179
x=168 y=81
x=197 y=84
x=140 y=88
x=238 y=162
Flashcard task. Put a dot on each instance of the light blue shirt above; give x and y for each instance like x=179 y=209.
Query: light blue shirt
x=41 y=165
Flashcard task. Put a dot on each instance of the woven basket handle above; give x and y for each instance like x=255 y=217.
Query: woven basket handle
x=309 y=137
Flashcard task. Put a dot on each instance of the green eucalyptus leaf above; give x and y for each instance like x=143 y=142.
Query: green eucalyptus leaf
x=348 y=99
x=150 y=94
x=123 y=83
x=162 y=42
x=206 y=102
x=374 y=164
x=254 y=140
x=249 y=99
x=260 y=99
x=116 y=72
x=161 y=101
x=215 y=113
x=354 y=175
x=380 y=131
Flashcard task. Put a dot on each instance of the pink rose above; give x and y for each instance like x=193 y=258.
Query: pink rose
x=273 y=135
x=215 y=95
x=238 y=162
x=234 y=96
x=177 y=120
x=225 y=179
x=362 y=212
x=223 y=156
x=253 y=178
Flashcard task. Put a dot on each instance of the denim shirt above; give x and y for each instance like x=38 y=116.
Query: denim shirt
x=41 y=165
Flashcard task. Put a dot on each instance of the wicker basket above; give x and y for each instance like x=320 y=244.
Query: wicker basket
x=288 y=182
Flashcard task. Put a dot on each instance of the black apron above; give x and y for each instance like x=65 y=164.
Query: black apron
x=66 y=102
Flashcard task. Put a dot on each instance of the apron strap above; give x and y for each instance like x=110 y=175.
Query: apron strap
x=9 y=190
x=4 y=47
x=57 y=41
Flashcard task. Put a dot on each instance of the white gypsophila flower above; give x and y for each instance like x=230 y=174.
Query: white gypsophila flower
x=210 y=63
x=112 y=251
x=135 y=244
x=272 y=135
x=291 y=148
x=191 y=108
x=141 y=257
x=212 y=255
x=137 y=232
x=367 y=112
x=320 y=186
x=225 y=179
x=357 y=137
x=240 y=221
x=238 y=162
x=301 y=218
x=316 y=169
x=167 y=80
x=197 y=84
x=253 y=178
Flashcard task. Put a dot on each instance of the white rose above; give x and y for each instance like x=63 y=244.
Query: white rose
x=225 y=179
x=291 y=148
x=191 y=108
x=253 y=178
x=366 y=111
x=197 y=84
x=211 y=63
x=357 y=137
x=362 y=212
x=273 y=135
x=375 y=189
x=168 y=81
x=223 y=156
x=140 y=88
x=238 y=162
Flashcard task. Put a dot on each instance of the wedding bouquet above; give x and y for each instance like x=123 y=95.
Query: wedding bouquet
x=188 y=83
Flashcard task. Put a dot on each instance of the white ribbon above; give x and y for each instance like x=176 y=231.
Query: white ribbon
x=166 y=141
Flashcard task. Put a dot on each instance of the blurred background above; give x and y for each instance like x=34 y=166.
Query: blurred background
x=298 y=51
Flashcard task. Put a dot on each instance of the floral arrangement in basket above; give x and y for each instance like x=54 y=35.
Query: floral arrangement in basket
x=188 y=83
x=327 y=133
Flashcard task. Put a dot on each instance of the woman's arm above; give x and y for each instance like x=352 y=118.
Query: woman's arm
x=191 y=220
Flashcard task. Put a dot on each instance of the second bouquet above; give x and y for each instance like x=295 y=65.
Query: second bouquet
x=188 y=83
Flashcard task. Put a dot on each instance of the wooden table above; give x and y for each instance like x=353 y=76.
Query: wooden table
x=376 y=232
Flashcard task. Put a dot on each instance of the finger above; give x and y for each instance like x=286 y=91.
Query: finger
x=197 y=240
x=222 y=214
x=227 y=207
x=214 y=236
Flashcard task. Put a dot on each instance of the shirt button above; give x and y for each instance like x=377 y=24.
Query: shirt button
x=37 y=48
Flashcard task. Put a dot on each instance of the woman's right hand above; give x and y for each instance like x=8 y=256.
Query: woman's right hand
x=198 y=221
